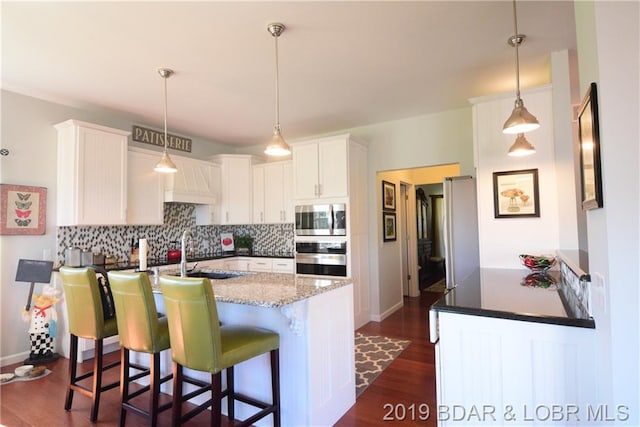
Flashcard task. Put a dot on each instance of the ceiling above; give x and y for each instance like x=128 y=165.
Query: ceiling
x=342 y=64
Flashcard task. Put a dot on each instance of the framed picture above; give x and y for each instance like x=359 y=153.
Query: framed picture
x=589 y=134
x=515 y=194
x=389 y=226
x=23 y=209
x=388 y=196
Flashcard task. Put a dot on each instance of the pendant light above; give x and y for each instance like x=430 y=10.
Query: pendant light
x=521 y=147
x=165 y=165
x=277 y=146
x=521 y=120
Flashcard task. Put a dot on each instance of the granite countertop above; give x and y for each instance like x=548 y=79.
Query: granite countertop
x=500 y=293
x=268 y=289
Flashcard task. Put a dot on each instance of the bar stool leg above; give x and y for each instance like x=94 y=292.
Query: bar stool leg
x=231 y=407
x=176 y=412
x=124 y=384
x=275 y=385
x=97 y=380
x=154 y=387
x=216 y=396
x=73 y=370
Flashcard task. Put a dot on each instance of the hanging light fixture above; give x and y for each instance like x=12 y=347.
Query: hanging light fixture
x=277 y=146
x=165 y=165
x=521 y=120
x=521 y=147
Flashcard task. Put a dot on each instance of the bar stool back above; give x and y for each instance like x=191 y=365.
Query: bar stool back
x=87 y=319
x=141 y=329
x=199 y=342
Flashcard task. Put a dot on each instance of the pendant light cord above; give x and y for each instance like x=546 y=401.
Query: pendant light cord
x=165 y=113
x=516 y=43
x=277 y=87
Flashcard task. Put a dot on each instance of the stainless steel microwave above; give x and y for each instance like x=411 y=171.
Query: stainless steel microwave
x=321 y=220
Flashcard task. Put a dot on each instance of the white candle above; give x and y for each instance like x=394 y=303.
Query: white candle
x=143 y=248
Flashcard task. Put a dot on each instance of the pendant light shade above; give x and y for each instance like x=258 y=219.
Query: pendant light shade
x=521 y=120
x=521 y=147
x=277 y=146
x=165 y=165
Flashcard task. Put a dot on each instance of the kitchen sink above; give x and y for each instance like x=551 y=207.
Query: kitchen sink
x=216 y=275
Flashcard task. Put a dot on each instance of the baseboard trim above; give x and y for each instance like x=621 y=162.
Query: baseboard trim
x=14 y=358
x=386 y=313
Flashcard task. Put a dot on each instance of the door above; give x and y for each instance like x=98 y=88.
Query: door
x=404 y=244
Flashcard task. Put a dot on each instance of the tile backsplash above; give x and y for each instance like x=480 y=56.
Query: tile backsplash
x=269 y=239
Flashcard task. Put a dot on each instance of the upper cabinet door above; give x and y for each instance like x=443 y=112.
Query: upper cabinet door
x=92 y=174
x=145 y=190
x=320 y=168
x=259 y=189
x=236 y=199
x=274 y=189
x=305 y=170
x=332 y=167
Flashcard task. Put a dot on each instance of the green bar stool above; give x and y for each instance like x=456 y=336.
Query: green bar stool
x=141 y=329
x=87 y=319
x=199 y=342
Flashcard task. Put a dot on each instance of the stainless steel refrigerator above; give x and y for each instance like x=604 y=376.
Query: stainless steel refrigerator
x=460 y=228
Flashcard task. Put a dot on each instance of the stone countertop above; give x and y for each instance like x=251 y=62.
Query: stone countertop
x=268 y=289
x=513 y=294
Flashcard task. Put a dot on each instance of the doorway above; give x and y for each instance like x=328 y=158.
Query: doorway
x=430 y=242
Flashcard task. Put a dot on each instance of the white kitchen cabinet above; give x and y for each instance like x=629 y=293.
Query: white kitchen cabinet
x=236 y=183
x=145 y=188
x=320 y=168
x=260 y=264
x=272 y=193
x=196 y=181
x=92 y=174
x=281 y=265
x=485 y=364
x=238 y=264
x=216 y=264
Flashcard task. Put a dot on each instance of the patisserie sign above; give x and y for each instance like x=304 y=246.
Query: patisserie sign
x=153 y=137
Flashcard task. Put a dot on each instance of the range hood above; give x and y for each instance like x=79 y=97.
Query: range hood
x=194 y=182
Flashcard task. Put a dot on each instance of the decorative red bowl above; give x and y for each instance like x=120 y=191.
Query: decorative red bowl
x=537 y=263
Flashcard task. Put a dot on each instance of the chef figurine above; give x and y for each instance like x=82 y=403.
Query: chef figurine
x=43 y=328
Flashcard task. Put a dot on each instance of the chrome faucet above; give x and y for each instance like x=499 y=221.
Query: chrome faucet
x=183 y=261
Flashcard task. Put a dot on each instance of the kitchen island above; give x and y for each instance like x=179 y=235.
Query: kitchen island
x=512 y=348
x=314 y=318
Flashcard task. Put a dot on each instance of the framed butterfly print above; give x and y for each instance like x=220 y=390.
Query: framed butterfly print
x=23 y=209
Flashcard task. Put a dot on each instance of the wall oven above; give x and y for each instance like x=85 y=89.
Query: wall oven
x=321 y=258
x=321 y=220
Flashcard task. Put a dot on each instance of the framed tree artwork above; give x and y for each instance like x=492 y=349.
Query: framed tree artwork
x=389 y=226
x=388 y=196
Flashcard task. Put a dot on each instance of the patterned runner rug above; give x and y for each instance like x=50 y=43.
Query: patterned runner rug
x=439 y=286
x=373 y=354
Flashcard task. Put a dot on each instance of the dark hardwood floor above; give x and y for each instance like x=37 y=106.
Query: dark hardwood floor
x=401 y=393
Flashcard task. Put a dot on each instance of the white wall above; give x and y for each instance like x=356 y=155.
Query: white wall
x=28 y=133
x=614 y=231
x=503 y=239
x=434 y=139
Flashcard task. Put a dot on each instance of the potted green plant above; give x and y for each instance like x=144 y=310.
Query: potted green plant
x=244 y=244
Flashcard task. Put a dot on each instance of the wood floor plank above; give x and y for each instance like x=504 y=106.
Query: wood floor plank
x=409 y=380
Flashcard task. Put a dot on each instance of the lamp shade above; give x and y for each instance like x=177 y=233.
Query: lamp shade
x=521 y=147
x=165 y=165
x=277 y=146
x=521 y=120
